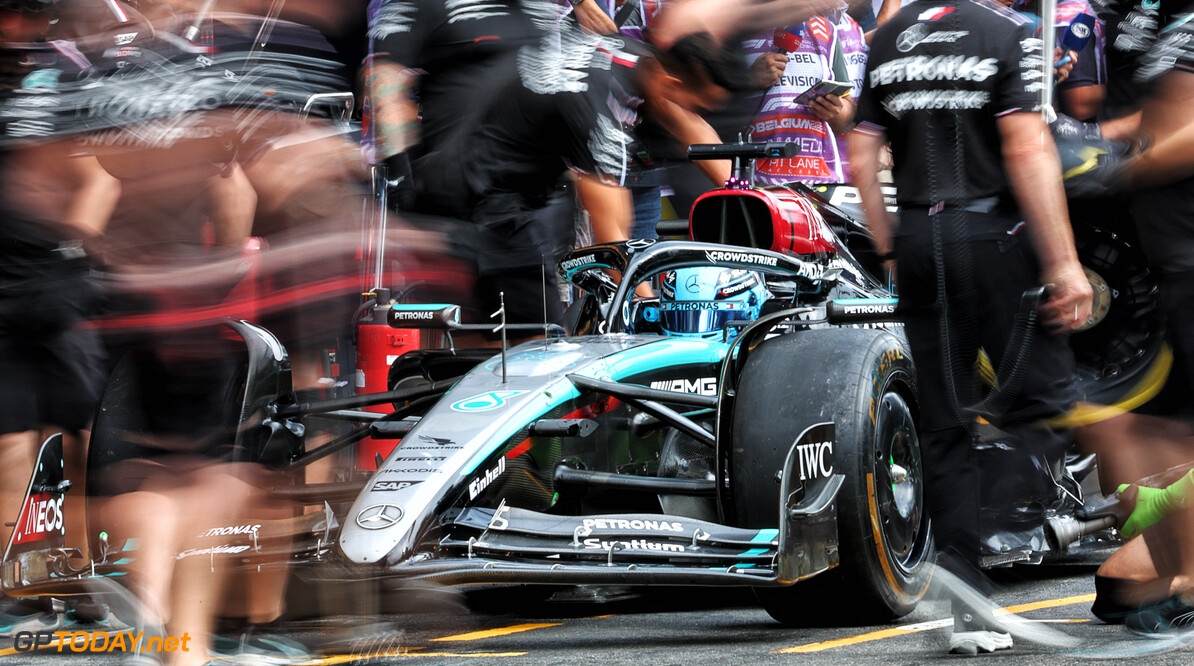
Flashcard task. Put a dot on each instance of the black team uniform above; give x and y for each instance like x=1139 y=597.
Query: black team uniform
x=1164 y=214
x=570 y=106
x=466 y=54
x=463 y=50
x=1149 y=42
x=938 y=77
x=52 y=369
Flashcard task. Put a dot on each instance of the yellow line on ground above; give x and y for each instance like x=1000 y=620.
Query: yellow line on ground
x=464 y=654
x=926 y=626
x=867 y=637
x=1050 y=603
x=334 y=659
x=502 y=631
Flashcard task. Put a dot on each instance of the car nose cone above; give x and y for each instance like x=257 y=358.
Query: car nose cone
x=379 y=516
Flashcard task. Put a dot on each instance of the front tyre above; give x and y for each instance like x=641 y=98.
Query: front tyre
x=863 y=380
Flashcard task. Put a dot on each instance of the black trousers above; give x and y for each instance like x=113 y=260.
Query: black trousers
x=988 y=263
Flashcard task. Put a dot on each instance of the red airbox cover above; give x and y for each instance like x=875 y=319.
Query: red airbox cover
x=776 y=219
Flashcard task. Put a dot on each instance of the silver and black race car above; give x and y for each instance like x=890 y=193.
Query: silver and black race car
x=733 y=413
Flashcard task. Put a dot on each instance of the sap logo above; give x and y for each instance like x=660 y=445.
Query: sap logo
x=125 y=38
x=481 y=483
x=701 y=386
x=390 y=486
x=812 y=460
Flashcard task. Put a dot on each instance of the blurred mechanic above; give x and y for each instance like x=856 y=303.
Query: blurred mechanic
x=54 y=202
x=1156 y=43
x=819 y=125
x=955 y=86
x=433 y=66
x=571 y=111
x=645 y=179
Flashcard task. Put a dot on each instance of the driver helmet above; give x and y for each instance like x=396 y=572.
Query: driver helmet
x=700 y=301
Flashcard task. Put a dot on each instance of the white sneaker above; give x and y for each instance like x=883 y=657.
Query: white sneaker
x=974 y=642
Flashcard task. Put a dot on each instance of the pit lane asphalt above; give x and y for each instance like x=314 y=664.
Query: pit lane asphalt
x=699 y=625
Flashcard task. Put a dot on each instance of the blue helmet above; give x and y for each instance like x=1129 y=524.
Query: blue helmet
x=699 y=301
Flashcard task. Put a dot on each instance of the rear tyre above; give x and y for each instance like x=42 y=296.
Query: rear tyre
x=863 y=380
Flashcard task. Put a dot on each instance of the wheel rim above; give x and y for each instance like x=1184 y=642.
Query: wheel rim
x=899 y=483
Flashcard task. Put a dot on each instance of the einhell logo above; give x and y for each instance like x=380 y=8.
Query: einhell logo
x=82 y=641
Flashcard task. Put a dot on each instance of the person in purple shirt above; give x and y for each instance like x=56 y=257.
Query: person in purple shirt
x=819 y=125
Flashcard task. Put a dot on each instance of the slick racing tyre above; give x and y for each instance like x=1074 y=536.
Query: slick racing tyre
x=862 y=380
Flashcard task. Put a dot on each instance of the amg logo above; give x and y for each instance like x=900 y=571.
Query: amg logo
x=702 y=386
x=620 y=524
x=579 y=261
x=812 y=460
x=413 y=314
x=869 y=309
x=633 y=544
x=740 y=257
x=481 y=483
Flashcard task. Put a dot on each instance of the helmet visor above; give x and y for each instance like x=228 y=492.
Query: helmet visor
x=700 y=316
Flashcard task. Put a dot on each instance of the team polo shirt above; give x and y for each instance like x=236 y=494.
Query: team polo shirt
x=939 y=76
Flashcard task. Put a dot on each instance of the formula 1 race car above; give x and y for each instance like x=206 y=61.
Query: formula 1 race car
x=751 y=423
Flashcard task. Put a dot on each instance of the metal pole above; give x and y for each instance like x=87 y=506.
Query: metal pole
x=380 y=208
x=1048 y=42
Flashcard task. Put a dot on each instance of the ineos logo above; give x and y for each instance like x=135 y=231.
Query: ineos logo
x=379 y=516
